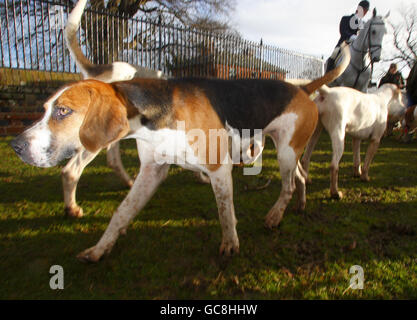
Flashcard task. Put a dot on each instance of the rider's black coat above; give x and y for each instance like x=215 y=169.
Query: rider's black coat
x=349 y=25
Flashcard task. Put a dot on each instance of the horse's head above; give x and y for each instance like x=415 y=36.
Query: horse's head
x=375 y=29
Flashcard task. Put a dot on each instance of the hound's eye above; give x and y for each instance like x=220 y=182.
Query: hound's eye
x=373 y=32
x=61 y=112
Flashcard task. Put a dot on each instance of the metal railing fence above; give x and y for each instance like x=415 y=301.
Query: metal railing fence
x=31 y=33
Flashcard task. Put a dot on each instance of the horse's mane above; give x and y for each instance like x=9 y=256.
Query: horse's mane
x=364 y=32
x=368 y=23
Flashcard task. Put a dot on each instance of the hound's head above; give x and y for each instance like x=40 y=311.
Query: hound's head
x=87 y=114
x=397 y=104
x=396 y=97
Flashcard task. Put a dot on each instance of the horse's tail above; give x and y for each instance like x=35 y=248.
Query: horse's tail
x=331 y=75
x=71 y=36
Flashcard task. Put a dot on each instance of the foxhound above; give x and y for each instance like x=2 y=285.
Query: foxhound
x=410 y=119
x=117 y=71
x=363 y=116
x=178 y=121
x=396 y=114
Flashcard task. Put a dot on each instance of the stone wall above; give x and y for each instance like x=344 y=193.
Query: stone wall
x=22 y=95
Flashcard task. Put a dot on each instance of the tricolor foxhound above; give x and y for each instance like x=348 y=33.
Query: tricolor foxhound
x=91 y=114
x=116 y=71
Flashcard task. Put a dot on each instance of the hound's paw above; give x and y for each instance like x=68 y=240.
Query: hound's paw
x=365 y=178
x=357 y=173
x=229 y=248
x=273 y=219
x=74 y=212
x=300 y=207
x=337 y=195
x=90 y=255
x=129 y=183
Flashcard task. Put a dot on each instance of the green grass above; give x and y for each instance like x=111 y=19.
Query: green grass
x=171 y=249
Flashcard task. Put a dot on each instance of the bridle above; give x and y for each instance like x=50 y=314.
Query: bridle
x=369 y=50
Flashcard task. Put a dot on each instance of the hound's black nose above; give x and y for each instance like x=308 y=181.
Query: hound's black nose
x=18 y=145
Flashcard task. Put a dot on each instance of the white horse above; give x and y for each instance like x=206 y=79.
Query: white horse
x=364 y=50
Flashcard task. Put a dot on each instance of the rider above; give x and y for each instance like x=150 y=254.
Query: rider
x=411 y=87
x=411 y=90
x=393 y=76
x=349 y=27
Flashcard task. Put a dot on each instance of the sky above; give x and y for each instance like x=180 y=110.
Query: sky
x=307 y=26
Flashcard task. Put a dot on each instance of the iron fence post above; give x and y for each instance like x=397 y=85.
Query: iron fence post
x=159 y=41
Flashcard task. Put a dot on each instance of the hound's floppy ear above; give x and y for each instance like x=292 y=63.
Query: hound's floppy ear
x=374 y=12
x=106 y=121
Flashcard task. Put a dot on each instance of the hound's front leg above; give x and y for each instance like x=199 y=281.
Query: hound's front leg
x=222 y=184
x=149 y=178
x=70 y=176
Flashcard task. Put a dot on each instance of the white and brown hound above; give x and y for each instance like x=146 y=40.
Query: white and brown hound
x=117 y=71
x=363 y=116
x=161 y=114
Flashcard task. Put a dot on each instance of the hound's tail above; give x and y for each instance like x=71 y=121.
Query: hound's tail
x=324 y=90
x=331 y=75
x=71 y=37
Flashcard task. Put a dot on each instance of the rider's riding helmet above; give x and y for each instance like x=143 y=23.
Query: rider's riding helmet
x=365 y=5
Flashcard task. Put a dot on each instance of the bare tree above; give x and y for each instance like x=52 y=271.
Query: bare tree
x=32 y=30
x=184 y=12
x=204 y=15
x=405 y=37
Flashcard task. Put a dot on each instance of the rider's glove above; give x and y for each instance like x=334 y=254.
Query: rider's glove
x=352 y=38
